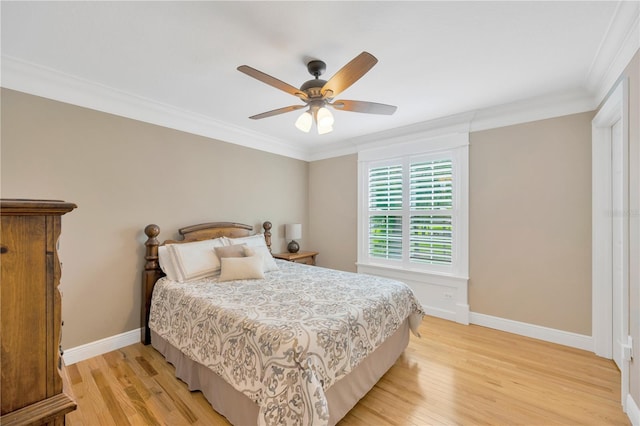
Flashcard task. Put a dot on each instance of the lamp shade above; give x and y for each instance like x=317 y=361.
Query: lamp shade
x=293 y=231
x=324 y=129
x=324 y=117
x=325 y=121
x=304 y=122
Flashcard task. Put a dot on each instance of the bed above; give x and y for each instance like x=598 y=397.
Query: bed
x=293 y=345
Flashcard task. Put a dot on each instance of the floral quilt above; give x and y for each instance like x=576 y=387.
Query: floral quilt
x=285 y=339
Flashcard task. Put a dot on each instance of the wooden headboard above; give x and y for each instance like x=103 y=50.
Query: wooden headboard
x=204 y=231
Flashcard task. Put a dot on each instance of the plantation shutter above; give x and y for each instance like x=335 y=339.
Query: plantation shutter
x=413 y=208
x=431 y=185
x=431 y=199
x=411 y=212
x=385 y=199
x=385 y=188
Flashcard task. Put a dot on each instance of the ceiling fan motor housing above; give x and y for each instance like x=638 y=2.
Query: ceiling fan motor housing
x=312 y=87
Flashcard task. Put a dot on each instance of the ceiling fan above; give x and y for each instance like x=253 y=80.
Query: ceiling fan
x=317 y=94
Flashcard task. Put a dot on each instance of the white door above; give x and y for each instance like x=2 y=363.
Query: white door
x=618 y=244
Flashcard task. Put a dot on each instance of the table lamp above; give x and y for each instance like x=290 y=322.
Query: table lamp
x=293 y=231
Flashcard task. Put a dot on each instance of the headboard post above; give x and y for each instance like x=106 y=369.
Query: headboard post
x=150 y=275
x=267 y=233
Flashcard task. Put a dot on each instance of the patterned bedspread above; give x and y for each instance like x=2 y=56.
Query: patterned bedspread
x=283 y=340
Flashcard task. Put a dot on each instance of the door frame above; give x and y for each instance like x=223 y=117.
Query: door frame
x=615 y=108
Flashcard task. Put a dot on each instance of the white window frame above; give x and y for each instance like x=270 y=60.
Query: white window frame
x=452 y=146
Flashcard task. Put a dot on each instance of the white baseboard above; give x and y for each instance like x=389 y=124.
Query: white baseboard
x=552 y=335
x=99 y=347
x=579 y=341
x=439 y=313
x=633 y=412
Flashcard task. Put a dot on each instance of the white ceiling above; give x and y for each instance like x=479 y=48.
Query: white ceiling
x=174 y=63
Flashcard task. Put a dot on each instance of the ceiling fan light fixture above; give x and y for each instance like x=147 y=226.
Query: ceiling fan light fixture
x=324 y=129
x=317 y=94
x=304 y=122
x=324 y=117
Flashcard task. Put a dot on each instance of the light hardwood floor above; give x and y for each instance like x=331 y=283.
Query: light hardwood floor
x=454 y=374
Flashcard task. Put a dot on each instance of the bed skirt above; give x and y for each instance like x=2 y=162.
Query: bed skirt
x=342 y=396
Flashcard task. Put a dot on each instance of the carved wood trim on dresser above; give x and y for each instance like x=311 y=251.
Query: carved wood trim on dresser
x=33 y=387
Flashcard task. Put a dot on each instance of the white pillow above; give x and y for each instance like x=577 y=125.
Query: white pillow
x=195 y=260
x=241 y=268
x=166 y=263
x=268 y=263
x=252 y=241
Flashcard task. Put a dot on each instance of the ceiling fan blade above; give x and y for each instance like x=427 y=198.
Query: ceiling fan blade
x=366 y=107
x=348 y=74
x=272 y=81
x=276 y=112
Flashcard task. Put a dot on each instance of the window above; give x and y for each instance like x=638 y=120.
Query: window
x=413 y=210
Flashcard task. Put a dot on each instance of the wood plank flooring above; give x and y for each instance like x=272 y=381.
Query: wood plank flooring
x=453 y=375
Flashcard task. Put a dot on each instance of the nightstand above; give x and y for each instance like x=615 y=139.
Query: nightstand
x=308 y=257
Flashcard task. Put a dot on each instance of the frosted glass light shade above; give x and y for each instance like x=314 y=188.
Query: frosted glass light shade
x=293 y=231
x=324 y=117
x=323 y=130
x=304 y=122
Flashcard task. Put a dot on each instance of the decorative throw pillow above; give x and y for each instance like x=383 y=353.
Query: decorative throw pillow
x=241 y=268
x=251 y=241
x=195 y=260
x=268 y=263
x=230 y=251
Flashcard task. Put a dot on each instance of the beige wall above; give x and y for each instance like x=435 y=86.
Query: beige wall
x=530 y=223
x=124 y=174
x=530 y=220
x=333 y=189
x=529 y=257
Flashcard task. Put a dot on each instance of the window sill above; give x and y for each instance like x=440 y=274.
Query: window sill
x=387 y=271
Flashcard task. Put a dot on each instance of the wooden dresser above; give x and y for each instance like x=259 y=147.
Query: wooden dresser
x=33 y=389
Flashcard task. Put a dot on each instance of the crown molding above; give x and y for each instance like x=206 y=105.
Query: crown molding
x=620 y=43
x=49 y=83
x=616 y=50
x=424 y=130
x=533 y=109
x=52 y=84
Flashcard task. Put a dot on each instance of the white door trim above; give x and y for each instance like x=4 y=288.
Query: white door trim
x=615 y=108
